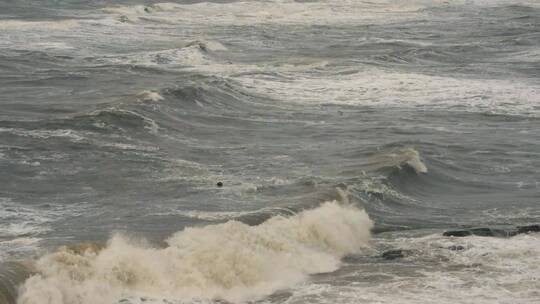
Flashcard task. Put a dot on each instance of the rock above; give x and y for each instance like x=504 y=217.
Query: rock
x=457 y=233
x=456 y=248
x=393 y=254
x=479 y=232
x=219 y=184
x=527 y=229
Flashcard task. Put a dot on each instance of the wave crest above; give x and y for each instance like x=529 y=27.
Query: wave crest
x=398 y=158
x=230 y=261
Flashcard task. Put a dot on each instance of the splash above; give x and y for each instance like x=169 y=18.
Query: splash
x=230 y=261
x=149 y=96
x=398 y=158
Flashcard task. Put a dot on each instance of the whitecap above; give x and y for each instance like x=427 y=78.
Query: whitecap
x=230 y=261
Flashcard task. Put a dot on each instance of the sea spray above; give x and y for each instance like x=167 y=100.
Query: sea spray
x=230 y=261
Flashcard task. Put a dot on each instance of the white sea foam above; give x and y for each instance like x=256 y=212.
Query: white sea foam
x=18 y=220
x=290 y=12
x=397 y=158
x=375 y=87
x=149 y=96
x=208 y=45
x=230 y=261
x=486 y=271
x=21 y=25
x=45 y=134
x=268 y=12
x=184 y=57
x=18 y=248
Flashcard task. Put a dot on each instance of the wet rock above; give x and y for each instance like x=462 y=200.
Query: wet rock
x=479 y=232
x=457 y=233
x=482 y=232
x=393 y=254
x=456 y=248
x=528 y=229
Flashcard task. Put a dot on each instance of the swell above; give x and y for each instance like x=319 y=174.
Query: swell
x=443 y=193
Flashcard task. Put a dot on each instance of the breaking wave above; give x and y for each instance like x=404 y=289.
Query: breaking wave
x=397 y=159
x=230 y=261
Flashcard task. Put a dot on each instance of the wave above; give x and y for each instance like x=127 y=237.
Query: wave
x=376 y=87
x=207 y=45
x=12 y=274
x=22 y=25
x=146 y=111
x=111 y=118
x=399 y=158
x=196 y=53
x=230 y=261
x=272 y=12
x=389 y=161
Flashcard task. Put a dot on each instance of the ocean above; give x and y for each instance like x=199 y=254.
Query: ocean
x=275 y=151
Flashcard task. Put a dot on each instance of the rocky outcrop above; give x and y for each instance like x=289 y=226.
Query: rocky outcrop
x=493 y=232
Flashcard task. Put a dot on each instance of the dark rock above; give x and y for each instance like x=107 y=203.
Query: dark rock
x=456 y=248
x=479 y=232
x=527 y=229
x=457 y=233
x=483 y=231
x=393 y=254
x=219 y=184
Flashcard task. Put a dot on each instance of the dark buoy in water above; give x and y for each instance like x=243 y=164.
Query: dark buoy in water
x=219 y=184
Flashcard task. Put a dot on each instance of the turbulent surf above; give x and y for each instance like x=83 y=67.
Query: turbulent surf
x=269 y=151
